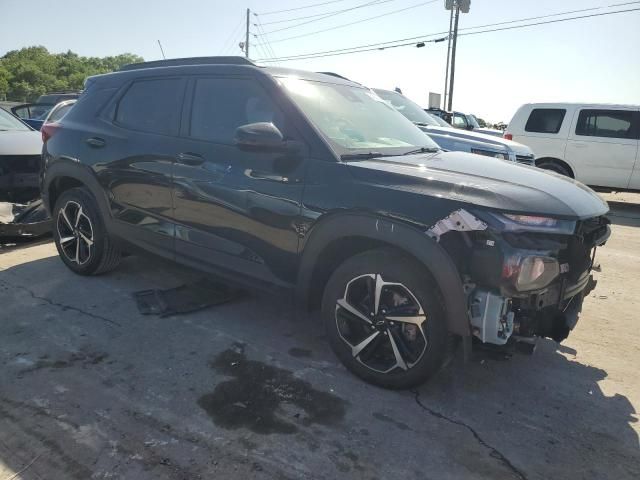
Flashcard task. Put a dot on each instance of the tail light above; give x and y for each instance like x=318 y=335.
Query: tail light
x=48 y=130
x=508 y=136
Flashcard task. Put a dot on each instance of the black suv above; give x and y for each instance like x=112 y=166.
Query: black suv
x=295 y=181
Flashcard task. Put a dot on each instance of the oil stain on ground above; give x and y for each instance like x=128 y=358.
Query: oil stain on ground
x=266 y=399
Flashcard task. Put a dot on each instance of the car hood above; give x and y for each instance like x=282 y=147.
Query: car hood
x=518 y=148
x=484 y=182
x=16 y=142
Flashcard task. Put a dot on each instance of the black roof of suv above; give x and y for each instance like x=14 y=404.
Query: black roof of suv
x=306 y=182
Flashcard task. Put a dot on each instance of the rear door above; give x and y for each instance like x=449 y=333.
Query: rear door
x=603 y=145
x=236 y=209
x=635 y=176
x=134 y=157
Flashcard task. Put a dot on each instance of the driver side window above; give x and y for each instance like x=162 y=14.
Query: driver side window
x=221 y=105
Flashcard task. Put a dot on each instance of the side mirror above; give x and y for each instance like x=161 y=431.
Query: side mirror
x=258 y=136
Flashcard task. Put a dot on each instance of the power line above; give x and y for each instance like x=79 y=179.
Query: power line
x=301 y=8
x=354 y=23
x=325 y=15
x=384 y=45
x=496 y=24
x=266 y=39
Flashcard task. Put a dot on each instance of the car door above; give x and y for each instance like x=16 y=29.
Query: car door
x=634 y=183
x=602 y=146
x=134 y=153
x=236 y=209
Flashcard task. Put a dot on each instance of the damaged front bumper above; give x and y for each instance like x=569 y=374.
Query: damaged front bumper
x=22 y=212
x=20 y=220
x=522 y=283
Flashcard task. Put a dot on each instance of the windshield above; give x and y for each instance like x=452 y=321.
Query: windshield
x=407 y=108
x=59 y=112
x=355 y=118
x=9 y=122
x=471 y=120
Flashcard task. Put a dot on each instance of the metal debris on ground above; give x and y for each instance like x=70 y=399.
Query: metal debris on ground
x=28 y=219
x=187 y=298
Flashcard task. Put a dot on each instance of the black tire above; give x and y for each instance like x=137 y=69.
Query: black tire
x=392 y=266
x=102 y=255
x=555 y=167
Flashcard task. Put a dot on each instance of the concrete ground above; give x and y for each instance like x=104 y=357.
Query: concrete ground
x=89 y=388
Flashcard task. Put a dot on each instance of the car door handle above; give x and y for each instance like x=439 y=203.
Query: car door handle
x=192 y=159
x=96 y=142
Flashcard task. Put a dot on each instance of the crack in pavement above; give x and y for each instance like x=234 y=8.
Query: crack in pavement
x=61 y=305
x=494 y=452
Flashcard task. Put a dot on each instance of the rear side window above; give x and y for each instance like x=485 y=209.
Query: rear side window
x=545 y=120
x=221 y=105
x=606 y=123
x=151 y=106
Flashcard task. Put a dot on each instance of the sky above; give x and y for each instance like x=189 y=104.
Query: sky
x=590 y=60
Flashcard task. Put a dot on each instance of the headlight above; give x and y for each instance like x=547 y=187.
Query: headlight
x=530 y=272
x=532 y=220
x=487 y=153
x=513 y=222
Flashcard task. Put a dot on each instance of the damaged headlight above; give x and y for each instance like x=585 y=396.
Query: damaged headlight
x=530 y=272
x=509 y=222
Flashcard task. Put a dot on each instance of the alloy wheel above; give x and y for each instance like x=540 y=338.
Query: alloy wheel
x=75 y=233
x=381 y=322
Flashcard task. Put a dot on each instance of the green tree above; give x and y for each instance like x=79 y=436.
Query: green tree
x=27 y=73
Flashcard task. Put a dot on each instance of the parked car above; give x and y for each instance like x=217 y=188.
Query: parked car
x=449 y=138
x=21 y=210
x=294 y=181
x=467 y=121
x=59 y=111
x=33 y=114
x=596 y=144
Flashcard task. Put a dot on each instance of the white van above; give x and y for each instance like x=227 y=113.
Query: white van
x=595 y=144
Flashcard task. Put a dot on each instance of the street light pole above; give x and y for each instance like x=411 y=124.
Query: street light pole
x=453 y=58
x=446 y=76
x=246 y=40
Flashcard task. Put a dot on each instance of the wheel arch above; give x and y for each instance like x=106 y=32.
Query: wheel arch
x=557 y=161
x=340 y=236
x=64 y=175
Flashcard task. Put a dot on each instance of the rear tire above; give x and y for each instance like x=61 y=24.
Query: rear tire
x=555 y=167
x=404 y=342
x=80 y=235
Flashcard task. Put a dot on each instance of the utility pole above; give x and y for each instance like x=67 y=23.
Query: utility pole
x=246 y=40
x=446 y=76
x=453 y=57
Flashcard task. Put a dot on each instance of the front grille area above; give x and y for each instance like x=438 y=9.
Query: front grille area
x=18 y=176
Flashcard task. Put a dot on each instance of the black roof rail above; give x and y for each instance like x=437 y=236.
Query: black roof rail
x=174 y=62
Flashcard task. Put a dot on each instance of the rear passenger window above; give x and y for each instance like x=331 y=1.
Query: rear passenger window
x=605 y=123
x=151 y=106
x=545 y=120
x=221 y=105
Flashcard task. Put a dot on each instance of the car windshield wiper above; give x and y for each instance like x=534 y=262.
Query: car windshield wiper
x=422 y=150
x=361 y=156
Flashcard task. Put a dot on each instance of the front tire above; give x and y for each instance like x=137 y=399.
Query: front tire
x=80 y=235
x=384 y=319
x=555 y=167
